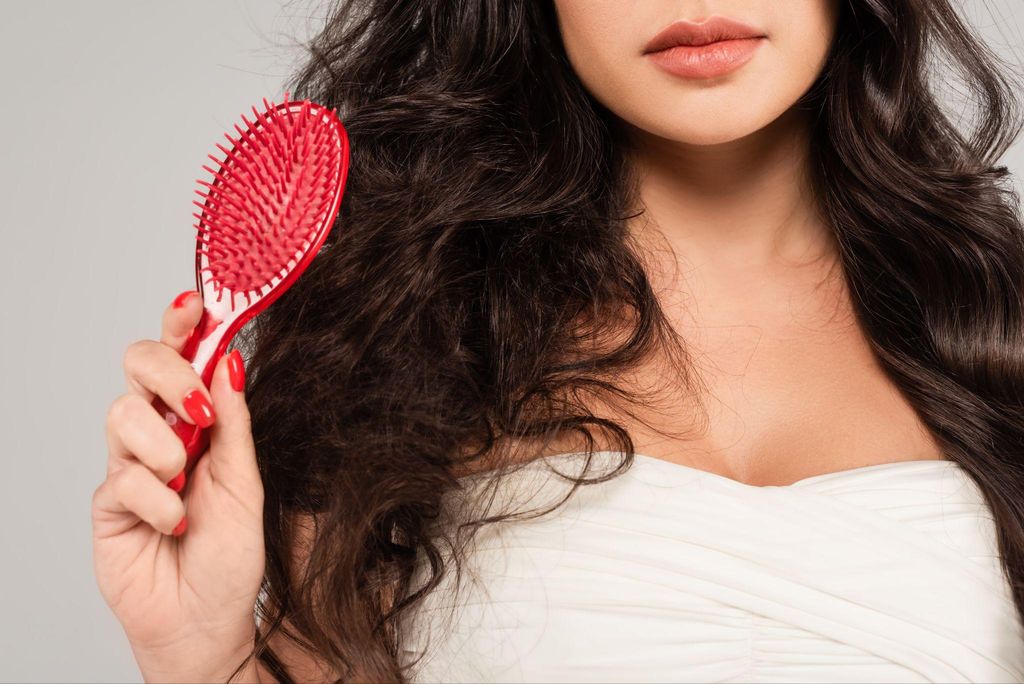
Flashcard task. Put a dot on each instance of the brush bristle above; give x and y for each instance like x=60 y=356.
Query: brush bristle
x=269 y=197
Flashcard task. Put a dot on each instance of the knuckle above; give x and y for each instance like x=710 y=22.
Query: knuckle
x=126 y=479
x=120 y=481
x=134 y=351
x=97 y=495
x=122 y=410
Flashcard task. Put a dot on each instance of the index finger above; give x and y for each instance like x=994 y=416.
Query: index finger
x=179 y=318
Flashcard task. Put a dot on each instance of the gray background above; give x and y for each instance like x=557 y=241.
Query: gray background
x=109 y=110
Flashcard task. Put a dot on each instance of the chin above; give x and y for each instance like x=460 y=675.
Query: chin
x=703 y=130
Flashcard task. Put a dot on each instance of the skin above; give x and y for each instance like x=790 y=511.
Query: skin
x=740 y=255
x=186 y=601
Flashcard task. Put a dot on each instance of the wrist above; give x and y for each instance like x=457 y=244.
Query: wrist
x=209 y=658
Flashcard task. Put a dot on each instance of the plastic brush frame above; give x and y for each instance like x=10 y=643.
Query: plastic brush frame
x=293 y=158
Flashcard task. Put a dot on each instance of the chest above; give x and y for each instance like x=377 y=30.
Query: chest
x=782 y=387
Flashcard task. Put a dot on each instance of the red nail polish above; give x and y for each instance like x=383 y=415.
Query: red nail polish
x=236 y=370
x=178 y=481
x=179 y=301
x=199 y=408
x=179 y=529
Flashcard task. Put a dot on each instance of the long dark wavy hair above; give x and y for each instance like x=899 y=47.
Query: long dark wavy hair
x=480 y=285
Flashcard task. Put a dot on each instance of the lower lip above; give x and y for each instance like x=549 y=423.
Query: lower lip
x=706 y=61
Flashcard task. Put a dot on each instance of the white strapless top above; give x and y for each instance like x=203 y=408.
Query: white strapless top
x=884 y=573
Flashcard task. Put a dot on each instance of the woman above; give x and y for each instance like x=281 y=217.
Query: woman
x=763 y=298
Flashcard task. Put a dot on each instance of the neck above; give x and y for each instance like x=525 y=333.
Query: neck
x=735 y=209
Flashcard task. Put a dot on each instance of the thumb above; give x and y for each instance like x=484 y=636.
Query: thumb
x=232 y=452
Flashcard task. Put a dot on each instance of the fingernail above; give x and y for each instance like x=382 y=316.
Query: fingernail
x=179 y=529
x=236 y=371
x=199 y=408
x=180 y=300
x=178 y=481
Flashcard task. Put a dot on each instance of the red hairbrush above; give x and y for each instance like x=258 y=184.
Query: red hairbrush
x=272 y=200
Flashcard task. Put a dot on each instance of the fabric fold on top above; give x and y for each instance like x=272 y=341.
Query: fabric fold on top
x=670 y=573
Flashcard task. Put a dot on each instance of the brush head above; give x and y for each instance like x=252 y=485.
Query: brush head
x=272 y=200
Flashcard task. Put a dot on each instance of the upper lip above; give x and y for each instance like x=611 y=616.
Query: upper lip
x=709 y=31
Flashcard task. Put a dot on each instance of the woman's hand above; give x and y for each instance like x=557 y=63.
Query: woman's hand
x=181 y=572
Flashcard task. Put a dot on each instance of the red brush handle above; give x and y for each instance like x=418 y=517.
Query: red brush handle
x=195 y=438
x=201 y=348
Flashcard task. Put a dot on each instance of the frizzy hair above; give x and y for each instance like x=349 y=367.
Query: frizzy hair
x=464 y=300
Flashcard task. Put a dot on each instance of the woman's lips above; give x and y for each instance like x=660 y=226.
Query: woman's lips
x=709 y=60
